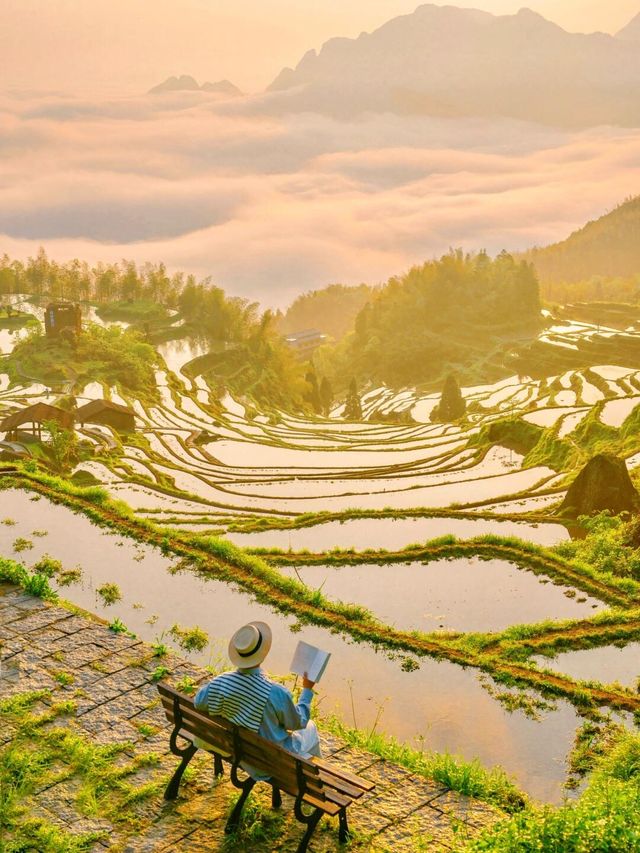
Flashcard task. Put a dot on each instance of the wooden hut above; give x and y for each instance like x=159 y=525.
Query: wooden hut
x=121 y=418
x=62 y=317
x=35 y=415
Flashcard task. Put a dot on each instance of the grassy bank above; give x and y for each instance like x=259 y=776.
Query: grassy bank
x=220 y=559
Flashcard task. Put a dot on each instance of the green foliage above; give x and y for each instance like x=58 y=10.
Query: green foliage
x=32 y=583
x=138 y=312
x=605 y=818
x=44 y=750
x=159 y=650
x=190 y=639
x=456 y=774
x=606 y=546
x=109 y=593
x=62 y=447
x=246 y=354
x=109 y=355
x=21 y=544
x=118 y=627
x=597 y=262
x=186 y=685
x=452 y=405
x=443 y=312
x=332 y=310
x=353 y=406
x=159 y=672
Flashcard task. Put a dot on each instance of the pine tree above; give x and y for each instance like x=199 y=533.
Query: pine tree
x=313 y=395
x=452 y=405
x=326 y=395
x=353 y=406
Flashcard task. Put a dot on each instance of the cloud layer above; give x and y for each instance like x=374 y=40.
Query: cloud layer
x=270 y=207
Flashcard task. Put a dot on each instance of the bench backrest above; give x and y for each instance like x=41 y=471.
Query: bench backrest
x=288 y=771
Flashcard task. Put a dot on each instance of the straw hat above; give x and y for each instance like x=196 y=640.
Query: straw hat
x=250 y=645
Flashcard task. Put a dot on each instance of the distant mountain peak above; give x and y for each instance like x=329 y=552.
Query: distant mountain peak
x=187 y=83
x=632 y=30
x=456 y=62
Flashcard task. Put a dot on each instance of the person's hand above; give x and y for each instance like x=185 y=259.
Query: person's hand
x=309 y=685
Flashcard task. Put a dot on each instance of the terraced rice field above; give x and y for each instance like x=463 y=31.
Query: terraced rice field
x=273 y=481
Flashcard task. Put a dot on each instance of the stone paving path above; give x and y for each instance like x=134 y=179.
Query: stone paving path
x=108 y=676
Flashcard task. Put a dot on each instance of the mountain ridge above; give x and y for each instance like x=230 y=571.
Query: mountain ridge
x=446 y=60
x=631 y=31
x=608 y=246
x=187 y=83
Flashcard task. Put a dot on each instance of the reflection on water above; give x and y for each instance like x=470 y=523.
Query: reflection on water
x=440 y=702
x=394 y=534
x=458 y=595
x=606 y=664
x=179 y=352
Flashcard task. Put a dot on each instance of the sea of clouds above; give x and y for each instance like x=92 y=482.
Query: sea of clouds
x=273 y=205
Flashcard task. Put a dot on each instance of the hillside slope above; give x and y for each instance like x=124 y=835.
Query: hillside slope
x=443 y=314
x=447 y=61
x=607 y=247
x=632 y=31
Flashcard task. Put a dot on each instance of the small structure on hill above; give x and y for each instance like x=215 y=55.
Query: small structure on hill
x=304 y=343
x=61 y=317
x=121 y=418
x=603 y=484
x=36 y=416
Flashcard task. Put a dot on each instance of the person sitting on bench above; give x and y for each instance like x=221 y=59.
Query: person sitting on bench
x=247 y=697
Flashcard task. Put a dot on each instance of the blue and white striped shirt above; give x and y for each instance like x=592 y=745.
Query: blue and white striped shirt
x=250 y=699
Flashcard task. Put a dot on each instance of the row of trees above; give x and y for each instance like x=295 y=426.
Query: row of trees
x=77 y=280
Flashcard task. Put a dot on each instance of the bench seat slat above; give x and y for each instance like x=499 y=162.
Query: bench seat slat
x=223 y=744
x=358 y=781
x=341 y=786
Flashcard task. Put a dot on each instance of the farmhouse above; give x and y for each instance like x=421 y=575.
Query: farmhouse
x=305 y=342
x=121 y=418
x=61 y=317
x=35 y=415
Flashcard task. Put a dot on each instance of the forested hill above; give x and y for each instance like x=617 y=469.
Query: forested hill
x=332 y=309
x=444 y=313
x=607 y=247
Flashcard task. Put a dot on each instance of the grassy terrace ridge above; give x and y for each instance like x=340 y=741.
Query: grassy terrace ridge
x=228 y=563
x=248 y=524
x=621 y=592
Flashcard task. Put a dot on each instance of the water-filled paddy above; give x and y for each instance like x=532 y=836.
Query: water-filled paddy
x=393 y=534
x=455 y=595
x=440 y=701
x=606 y=664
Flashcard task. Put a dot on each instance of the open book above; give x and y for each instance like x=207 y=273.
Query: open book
x=311 y=660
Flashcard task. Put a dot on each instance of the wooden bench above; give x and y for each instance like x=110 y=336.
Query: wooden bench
x=327 y=789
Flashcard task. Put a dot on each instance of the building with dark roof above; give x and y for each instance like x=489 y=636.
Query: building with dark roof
x=36 y=415
x=62 y=317
x=121 y=418
x=305 y=342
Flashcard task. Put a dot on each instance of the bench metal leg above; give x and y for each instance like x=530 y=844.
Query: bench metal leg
x=312 y=821
x=234 y=817
x=276 y=797
x=172 y=788
x=218 y=769
x=343 y=832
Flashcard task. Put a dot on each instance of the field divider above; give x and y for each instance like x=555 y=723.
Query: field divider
x=540 y=561
x=224 y=561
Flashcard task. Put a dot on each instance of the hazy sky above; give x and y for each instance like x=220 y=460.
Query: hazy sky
x=269 y=205
x=86 y=46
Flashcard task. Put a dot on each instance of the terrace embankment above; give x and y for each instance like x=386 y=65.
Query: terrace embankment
x=79 y=710
x=220 y=560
